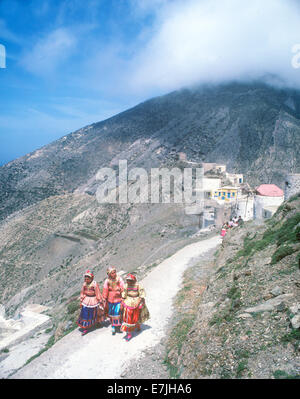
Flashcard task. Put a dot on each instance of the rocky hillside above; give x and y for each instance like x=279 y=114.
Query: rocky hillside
x=46 y=248
x=252 y=128
x=239 y=316
x=52 y=228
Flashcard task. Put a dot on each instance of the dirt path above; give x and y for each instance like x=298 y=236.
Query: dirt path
x=101 y=355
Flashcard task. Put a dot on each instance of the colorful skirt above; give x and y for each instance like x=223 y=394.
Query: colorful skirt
x=133 y=316
x=90 y=315
x=130 y=318
x=114 y=313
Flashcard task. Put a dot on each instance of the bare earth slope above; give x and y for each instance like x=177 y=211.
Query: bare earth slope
x=101 y=355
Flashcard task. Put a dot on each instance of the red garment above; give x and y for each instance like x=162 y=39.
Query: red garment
x=223 y=232
x=89 y=274
x=130 y=277
x=130 y=318
x=112 y=290
x=133 y=302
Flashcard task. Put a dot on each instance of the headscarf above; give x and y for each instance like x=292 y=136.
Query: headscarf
x=110 y=270
x=89 y=274
x=130 y=277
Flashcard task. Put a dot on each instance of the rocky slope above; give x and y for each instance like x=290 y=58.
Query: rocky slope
x=242 y=318
x=52 y=228
x=252 y=128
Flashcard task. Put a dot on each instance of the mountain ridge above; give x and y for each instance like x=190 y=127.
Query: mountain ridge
x=248 y=127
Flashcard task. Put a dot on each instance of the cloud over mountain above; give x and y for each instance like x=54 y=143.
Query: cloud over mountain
x=212 y=41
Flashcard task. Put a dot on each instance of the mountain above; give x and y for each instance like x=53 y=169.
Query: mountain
x=253 y=128
x=52 y=227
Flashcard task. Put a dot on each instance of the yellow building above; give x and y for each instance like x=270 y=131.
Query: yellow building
x=226 y=194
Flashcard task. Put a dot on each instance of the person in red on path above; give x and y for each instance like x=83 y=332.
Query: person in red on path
x=223 y=231
x=134 y=307
x=91 y=302
x=112 y=290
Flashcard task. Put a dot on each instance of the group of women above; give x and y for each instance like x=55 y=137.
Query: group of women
x=123 y=303
x=234 y=222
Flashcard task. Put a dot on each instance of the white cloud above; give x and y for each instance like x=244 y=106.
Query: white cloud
x=214 y=41
x=49 y=52
x=176 y=43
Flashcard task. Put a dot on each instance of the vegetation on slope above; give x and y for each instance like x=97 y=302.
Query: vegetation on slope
x=245 y=321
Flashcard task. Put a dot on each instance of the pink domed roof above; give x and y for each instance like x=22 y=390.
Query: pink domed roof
x=269 y=190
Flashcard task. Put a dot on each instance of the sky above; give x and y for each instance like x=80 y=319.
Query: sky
x=69 y=63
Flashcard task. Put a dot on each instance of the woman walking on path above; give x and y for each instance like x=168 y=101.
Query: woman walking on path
x=134 y=307
x=223 y=231
x=112 y=290
x=91 y=302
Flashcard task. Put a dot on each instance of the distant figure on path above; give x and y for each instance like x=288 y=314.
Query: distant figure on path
x=91 y=303
x=240 y=221
x=223 y=231
x=134 y=307
x=112 y=290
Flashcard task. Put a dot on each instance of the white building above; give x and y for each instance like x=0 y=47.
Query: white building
x=207 y=166
x=267 y=195
x=245 y=207
x=235 y=178
x=209 y=186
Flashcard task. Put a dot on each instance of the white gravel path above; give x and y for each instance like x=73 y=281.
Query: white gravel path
x=101 y=355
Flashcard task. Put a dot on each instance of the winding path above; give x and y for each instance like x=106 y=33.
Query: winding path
x=101 y=355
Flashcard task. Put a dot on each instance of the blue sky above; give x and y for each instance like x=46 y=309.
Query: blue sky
x=57 y=66
x=70 y=63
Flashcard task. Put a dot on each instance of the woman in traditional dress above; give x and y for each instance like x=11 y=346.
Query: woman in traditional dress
x=91 y=302
x=223 y=231
x=134 y=307
x=112 y=290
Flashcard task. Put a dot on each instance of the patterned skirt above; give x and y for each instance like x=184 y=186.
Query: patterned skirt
x=133 y=317
x=114 y=313
x=90 y=315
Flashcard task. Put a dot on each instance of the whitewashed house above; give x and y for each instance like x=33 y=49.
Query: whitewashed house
x=267 y=199
x=244 y=207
